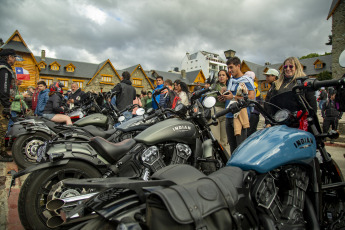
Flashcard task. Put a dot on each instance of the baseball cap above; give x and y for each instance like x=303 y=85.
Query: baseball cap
x=7 y=52
x=272 y=72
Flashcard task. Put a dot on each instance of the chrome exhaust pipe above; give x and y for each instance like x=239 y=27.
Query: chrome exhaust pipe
x=54 y=222
x=55 y=204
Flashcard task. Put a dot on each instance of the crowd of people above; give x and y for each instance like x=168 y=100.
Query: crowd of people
x=231 y=131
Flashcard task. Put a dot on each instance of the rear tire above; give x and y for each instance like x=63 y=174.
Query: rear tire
x=36 y=188
x=24 y=149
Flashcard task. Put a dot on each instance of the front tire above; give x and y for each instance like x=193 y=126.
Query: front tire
x=34 y=193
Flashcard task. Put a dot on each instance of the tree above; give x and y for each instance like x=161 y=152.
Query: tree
x=325 y=75
x=310 y=56
x=329 y=43
x=1 y=42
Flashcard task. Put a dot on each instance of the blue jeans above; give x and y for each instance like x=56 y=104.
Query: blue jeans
x=10 y=122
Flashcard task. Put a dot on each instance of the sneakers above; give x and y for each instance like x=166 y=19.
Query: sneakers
x=4 y=157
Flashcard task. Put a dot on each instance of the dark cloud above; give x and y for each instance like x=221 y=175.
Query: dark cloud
x=158 y=33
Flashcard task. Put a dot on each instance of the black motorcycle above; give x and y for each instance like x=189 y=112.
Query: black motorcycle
x=184 y=140
x=279 y=178
x=32 y=133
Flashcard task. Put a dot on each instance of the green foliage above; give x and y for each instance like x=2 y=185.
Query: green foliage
x=325 y=75
x=311 y=55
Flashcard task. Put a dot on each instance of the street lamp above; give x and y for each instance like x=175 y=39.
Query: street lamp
x=229 y=54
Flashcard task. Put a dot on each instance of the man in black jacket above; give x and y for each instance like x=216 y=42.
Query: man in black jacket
x=7 y=77
x=76 y=95
x=125 y=93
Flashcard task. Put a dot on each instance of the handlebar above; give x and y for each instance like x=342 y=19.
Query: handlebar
x=157 y=92
x=312 y=84
x=197 y=94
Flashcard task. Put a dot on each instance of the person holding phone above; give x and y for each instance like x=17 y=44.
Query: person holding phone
x=234 y=68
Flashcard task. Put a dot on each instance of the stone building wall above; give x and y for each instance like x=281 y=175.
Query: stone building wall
x=145 y=84
x=97 y=86
x=338 y=39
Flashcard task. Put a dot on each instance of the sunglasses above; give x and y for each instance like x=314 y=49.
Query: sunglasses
x=288 y=66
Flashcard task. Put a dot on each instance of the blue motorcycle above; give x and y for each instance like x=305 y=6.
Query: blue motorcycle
x=278 y=178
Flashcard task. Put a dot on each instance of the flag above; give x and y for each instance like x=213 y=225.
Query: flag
x=22 y=74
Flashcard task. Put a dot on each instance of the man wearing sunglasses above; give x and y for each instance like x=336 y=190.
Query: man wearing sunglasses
x=7 y=76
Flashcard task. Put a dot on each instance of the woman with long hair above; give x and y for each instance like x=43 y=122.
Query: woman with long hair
x=281 y=94
x=54 y=106
x=182 y=91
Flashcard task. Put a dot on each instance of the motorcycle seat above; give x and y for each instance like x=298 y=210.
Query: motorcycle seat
x=96 y=131
x=111 y=152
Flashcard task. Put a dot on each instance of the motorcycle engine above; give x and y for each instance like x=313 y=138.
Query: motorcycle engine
x=157 y=157
x=280 y=195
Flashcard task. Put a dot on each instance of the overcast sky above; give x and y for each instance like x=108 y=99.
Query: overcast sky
x=158 y=33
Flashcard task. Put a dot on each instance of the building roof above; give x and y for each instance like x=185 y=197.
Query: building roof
x=17 y=46
x=190 y=76
x=334 y=6
x=82 y=70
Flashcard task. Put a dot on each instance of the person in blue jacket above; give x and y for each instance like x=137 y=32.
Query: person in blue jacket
x=43 y=97
x=160 y=84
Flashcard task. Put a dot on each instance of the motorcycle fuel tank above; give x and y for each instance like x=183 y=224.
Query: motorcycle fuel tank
x=272 y=147
x=96 y=119
x=169 y=130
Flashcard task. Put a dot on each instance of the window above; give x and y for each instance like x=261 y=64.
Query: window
x=42 y=66
x=64 y=82
x=69 y=69
x=137 y=81
x=318 y=66
x=79 y=83
x=48 y=81
x=107 y=78
x=54 y=67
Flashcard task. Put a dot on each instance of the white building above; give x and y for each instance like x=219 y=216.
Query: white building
x=207 y=62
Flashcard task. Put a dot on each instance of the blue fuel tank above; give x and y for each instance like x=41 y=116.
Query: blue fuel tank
x=272 y=147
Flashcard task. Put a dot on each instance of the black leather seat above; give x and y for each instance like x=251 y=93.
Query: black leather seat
x=111 y=152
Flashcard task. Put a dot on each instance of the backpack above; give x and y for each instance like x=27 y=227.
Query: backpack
x=174 y=99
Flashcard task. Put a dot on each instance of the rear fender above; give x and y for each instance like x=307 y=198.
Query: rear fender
x=33 y=130
x=39 y=167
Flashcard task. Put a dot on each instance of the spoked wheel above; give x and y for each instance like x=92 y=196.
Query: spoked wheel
x=36 y=192
x=24 y=150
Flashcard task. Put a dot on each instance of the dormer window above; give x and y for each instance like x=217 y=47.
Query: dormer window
x=42 y=65
x=55 y=66
x=318 y=64
x=70 y=67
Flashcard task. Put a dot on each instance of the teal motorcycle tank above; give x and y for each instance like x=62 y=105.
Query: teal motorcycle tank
x=272 y=147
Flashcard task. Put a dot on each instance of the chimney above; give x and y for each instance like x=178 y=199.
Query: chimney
x=267 y=63
x=43 y=55
x=183 y=74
